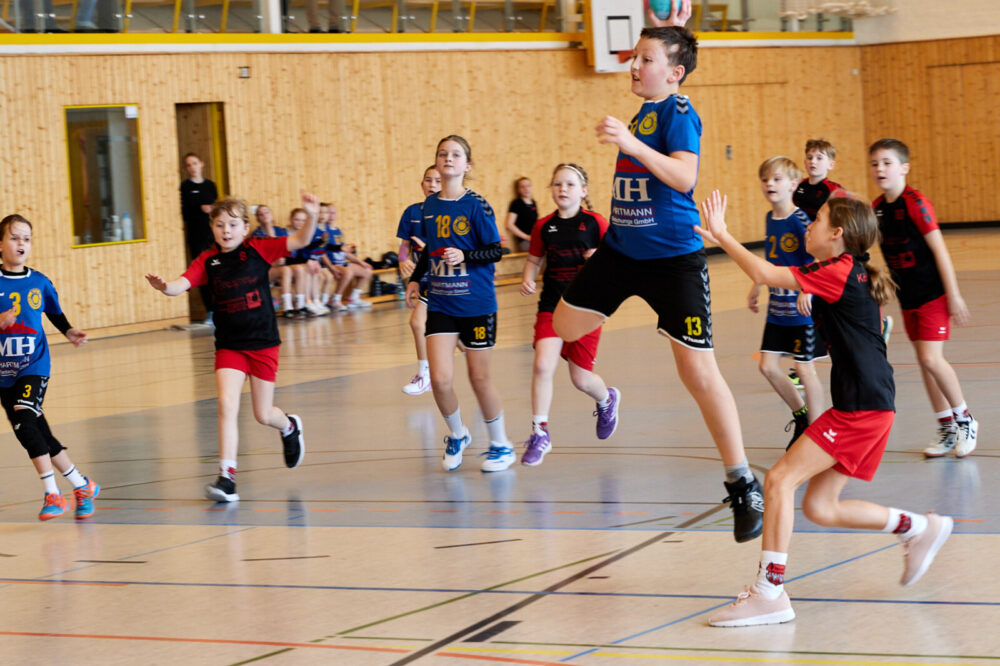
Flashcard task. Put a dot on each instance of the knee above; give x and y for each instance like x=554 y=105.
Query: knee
x=580 y=378
x=819 y=511
x=417 y=324
x=441 y=381
x=30 y=435
x=228 y=406
x=479 y=378
x=776 y=482
x=263 y=416
x=543 y=368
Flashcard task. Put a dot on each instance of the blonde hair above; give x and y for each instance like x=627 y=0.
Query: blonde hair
x=823 y=146
x=232 y=206
x=857 y=219
x=578 y=170
x=779 y=162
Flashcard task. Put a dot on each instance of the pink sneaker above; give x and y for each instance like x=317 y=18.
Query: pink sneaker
x=919 y=551
x=752 y=608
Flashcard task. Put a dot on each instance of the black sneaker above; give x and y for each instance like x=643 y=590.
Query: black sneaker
x=293 y=443
x=223 y=490
x=747 y=502
x=797 y=425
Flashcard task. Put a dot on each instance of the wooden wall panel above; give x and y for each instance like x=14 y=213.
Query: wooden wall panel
x=940 y=98
x=358 y=129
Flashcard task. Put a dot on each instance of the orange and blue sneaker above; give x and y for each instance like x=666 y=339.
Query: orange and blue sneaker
x=55 y=505
x=85 y=496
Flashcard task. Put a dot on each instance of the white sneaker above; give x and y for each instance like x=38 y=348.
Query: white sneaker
x=967 y=433
x=499 y=457
x=316 y=309
x=421 y=383
x=453 y=447
x=919 y=551
x=945 y=443
x=752 y=608
x=337 y=306
x=358 y=303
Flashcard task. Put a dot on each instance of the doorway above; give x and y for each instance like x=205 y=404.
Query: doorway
x=201 y=129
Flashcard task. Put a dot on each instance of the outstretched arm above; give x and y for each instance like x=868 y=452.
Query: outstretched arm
x=172 y=288
x=759 y=270
x=677 y=17
x=304 y=236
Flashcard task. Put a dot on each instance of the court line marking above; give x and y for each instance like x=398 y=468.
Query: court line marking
x=478 y=543
x=552 y=588
x=707 y=610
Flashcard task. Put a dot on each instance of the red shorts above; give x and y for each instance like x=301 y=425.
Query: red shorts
x=583 y=352
x=930 y=321
x=855 y=439
x=259 y=363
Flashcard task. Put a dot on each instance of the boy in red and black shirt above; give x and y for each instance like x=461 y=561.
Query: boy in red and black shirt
x=246 y=329
x=814 y=190
x=927 y=289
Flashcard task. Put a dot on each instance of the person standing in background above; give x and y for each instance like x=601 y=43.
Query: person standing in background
x=197 y=196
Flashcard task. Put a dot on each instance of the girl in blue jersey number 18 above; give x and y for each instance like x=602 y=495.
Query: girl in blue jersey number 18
x=25 y=367
x=462 y=244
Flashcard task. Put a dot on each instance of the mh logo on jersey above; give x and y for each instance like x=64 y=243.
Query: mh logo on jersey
x=17 y=345
x=631 y=189
x=441 y=268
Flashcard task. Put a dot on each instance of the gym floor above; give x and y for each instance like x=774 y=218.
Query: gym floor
x=610 y=552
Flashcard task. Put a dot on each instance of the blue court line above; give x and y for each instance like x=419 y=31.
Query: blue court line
x=726 y=603
x=358 y=588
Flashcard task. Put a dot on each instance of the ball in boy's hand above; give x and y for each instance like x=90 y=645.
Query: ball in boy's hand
x=662 y=7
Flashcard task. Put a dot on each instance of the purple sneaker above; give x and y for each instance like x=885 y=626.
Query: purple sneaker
x=607 y=417
x=535 y=449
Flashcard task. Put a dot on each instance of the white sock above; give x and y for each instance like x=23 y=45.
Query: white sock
x=905 y=524
x=300 y=301
x=945 y=415
x=49 y=481
x=287 y=430
x=455 y=424
x=286 y=301
x=604 y=403
x=74 y=477
x=355 y=294
x=324 y=299
x=423 y=367
x=539 y=423
x=961 y=412
x=771 y=574
x=497 y=430
x=227 y=468
x=336 y=299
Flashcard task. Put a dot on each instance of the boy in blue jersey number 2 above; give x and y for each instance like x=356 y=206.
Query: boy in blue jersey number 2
x=25 y=367
x=789 y=330
x=462 y=244
x=652 y=251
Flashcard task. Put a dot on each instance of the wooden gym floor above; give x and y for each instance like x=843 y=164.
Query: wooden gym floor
x=609 y=553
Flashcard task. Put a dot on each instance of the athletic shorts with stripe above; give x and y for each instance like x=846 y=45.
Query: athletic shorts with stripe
x=675 y=287
x=801 y=342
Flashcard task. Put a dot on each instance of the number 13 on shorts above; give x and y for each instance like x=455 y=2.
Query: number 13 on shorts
x=693 y=326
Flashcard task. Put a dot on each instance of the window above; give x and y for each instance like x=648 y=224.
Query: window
x=105 y=183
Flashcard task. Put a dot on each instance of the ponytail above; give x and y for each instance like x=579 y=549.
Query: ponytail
x=857 y=219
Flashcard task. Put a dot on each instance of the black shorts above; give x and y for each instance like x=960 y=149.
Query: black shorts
x=28 y=392
x=473 y=332
x=802 y=342
x=675 y=287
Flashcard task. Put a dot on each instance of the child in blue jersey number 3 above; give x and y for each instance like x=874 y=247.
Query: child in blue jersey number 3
x=25 y=367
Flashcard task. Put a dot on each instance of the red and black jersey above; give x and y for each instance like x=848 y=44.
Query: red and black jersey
x=902 y=226
x=850 y=324
x=810 y=198
x=244 y=314
x=562 y=242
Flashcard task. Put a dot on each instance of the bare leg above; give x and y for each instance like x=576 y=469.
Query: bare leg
x=588 y=382
x=441 y=357
x=703 y=380
x=813 y=388
x=478 y=361
x=571 y=323
x=229 y=384
x=804 y=460
x=770 y=367
x=546 y=360
x=262 y=396
x=418 y=324
x=940 y=379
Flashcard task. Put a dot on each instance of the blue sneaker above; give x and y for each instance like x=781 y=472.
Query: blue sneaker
x=55 y=505
x=452 y=458
x=498 y=458
x=607 y=417
x=85 y=496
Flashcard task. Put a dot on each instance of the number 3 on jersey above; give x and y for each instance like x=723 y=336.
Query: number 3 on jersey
x=15 y=302
x=443 y=225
